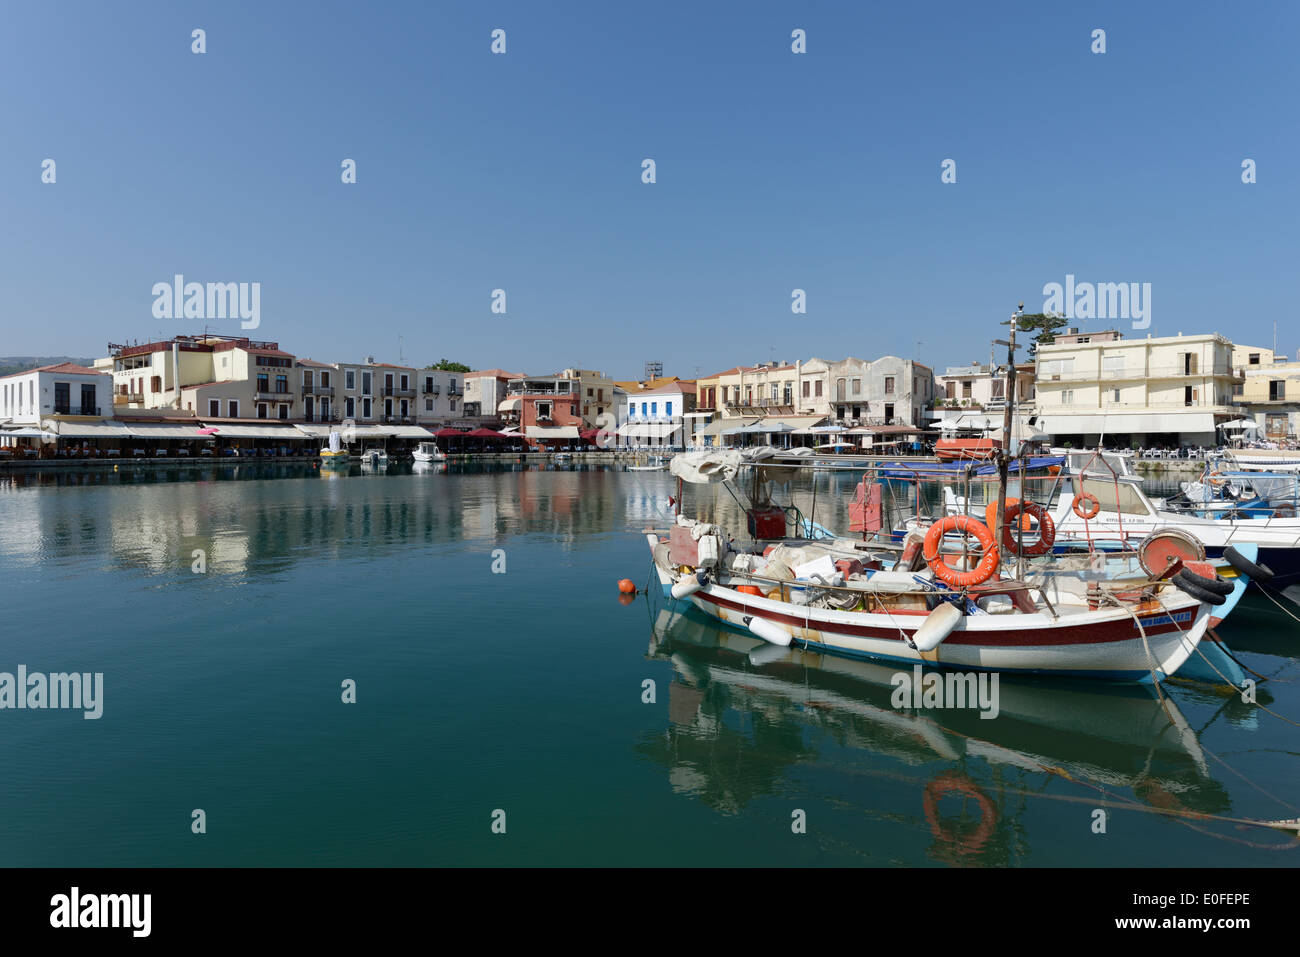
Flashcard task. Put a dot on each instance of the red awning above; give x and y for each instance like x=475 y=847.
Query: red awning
x=448 y=434
x=485 y=434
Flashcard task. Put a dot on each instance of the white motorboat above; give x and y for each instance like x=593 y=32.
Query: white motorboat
x=429 y=452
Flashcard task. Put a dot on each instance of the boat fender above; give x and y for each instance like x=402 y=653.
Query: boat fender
x=686 y=587
x=1190 y=587
x=1257 y=573
x=938 y=625
x=1214 y=584
x=768 y=631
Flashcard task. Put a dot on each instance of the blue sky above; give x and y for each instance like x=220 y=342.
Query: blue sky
x=523 y=171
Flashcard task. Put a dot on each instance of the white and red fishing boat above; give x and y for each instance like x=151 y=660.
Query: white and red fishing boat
x=871 y=600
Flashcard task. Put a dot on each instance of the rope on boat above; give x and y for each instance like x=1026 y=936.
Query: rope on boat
x=1285 y=610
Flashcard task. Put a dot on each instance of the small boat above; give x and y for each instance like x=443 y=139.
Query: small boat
x=845 y=597
x=655 y=463
x=429 y=452
x=334 y=456
x=952 y=450
x=561 y=456
x=374 y=459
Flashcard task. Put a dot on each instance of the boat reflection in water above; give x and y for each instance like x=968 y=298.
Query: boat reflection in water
x=741 y=712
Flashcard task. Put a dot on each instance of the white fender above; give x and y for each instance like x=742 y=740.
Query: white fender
x=686 y=587
x=653 y=539
x=938 y=625
x=770 y=631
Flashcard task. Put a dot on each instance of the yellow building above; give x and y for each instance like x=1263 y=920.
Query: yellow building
x=1167 y=391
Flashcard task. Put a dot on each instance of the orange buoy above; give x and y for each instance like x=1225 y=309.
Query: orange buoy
x=627 y=587
x=945 y=572
x=1086 y=506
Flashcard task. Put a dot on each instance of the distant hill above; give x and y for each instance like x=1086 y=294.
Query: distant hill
x=12 y=364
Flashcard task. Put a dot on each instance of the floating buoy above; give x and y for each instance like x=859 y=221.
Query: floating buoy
x=626 y=586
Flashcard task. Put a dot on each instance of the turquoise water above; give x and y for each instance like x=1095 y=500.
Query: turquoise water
x=478 y=691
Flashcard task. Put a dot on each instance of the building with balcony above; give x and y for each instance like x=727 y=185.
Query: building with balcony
x=1173 y=390
x=1270 y=395
x=212 y=376
x=357 y=391
x=656 y=416
x=316 y=381
x=34 y=397
x=969 y=396
x=485 y=390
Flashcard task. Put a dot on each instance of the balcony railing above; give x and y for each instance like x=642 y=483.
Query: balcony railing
x=265 y=395
x=433 y=390
x=318 y=390
x=390 y=392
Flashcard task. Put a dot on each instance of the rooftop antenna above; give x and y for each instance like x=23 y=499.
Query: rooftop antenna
x=400 y=357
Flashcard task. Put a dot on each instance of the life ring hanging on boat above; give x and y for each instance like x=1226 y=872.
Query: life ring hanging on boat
x=1216 y=479
x=1284 y=510
x=1093 y=511
x=988 y=563
x=947 y=783
x=1046 y=529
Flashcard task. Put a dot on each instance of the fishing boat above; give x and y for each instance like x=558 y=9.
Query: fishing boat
x=374 y=459
x=429 y=452
x=953 y=449
x=841 y=596
x=334 y=456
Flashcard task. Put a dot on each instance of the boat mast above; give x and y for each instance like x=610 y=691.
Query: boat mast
x=1003 y=453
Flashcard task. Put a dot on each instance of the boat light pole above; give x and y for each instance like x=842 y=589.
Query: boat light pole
x=1003 y=456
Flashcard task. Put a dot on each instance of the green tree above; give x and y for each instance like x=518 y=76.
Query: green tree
x=1045 y=324
x=446 y=365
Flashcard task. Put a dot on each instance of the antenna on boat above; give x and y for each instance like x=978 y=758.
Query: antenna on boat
x=1003 y=458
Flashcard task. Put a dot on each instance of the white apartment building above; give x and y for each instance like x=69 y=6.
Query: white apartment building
x=1167 y=391
x=66 y=389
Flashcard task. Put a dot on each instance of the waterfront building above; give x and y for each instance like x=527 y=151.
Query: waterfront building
x=1270 y=396
x=657 y=416
x=970 y=397
x=485 y=390
x=213 y=376
x=546 y=410
x=359 y=393
x=42 y=399
x=1099 y=386
x=595 y=393
x=317 y=380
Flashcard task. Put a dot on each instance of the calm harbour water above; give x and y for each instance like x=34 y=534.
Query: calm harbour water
x=522 y=691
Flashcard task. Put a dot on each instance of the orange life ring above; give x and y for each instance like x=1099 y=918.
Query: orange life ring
x=1284 y=511
x=988 y=563
x=1091 y=513
x=947 y=783
x=1046 y=529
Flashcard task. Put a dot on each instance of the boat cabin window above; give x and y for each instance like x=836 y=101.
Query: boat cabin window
x=1126 y=499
